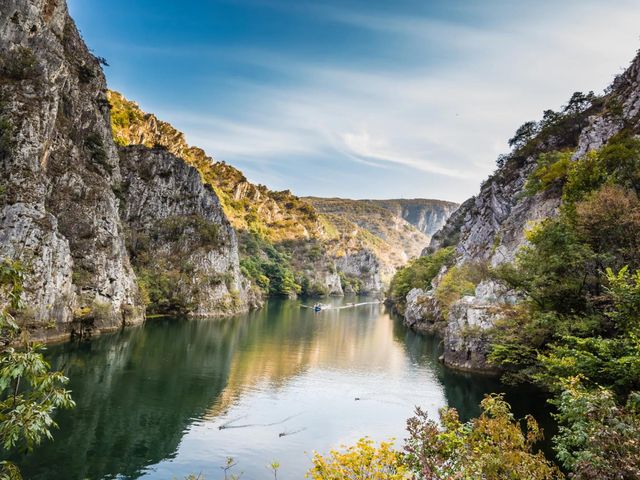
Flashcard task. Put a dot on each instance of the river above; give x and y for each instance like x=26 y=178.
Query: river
x=177 y=396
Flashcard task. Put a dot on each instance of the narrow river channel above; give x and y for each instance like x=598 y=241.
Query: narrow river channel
x=176 y=396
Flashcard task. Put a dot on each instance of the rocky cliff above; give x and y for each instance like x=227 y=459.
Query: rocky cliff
x=490 y=227
x=427 y=215
x=179 y=239
x=405 y=224
x=59 y=168
x=327 y=248
x=61 y=183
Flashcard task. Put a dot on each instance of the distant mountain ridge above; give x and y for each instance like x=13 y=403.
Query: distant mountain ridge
x=427 y=215
x=408 y=228
x=327 y=249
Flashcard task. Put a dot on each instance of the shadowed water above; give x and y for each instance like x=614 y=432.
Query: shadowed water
x=175 y=396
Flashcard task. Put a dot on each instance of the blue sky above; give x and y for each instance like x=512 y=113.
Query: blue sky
x=358 y=98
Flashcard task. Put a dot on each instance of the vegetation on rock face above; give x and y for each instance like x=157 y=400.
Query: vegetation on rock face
x=417 y=274
x=269 y=267
x=577 y=331
x=458 y=281
x=165 y=277
x=29 y=392
x=287 y=247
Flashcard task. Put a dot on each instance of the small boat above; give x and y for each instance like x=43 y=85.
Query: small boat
x=317 y=307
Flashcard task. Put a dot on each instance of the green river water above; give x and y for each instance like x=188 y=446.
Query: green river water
x=282 y=382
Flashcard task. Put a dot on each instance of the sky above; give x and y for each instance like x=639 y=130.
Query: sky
x=358 y=98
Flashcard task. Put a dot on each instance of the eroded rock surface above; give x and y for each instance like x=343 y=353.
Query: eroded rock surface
x=61 y=187
x=58 y=168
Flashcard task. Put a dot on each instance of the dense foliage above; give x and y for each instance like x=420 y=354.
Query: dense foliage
x=29 y=391
x=361 y=461
x=578 y=331
x=268 y=267
x=599 y=439
x=417 y=274
x=491 y=447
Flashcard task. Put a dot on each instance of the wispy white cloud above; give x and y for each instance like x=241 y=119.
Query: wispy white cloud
x=446 y=122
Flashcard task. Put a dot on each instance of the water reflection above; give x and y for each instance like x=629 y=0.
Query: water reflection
x=281 y=381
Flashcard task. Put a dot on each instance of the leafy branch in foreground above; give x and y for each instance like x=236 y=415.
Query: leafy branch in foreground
x=29 y=392
x=492 y=447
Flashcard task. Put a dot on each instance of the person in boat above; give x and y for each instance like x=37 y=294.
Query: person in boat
x=317 y=307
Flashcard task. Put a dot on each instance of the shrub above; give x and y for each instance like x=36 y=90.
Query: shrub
x=598 y=439
x=85 y=74
x=492 y=447
x=163 y=289
x=457 y=282
x=7 y=138
x=609 y=221
x=417 y=274
x=363 y=461
x=94 y=144
x=552 y=169
x=192 y=229
x=19 y=63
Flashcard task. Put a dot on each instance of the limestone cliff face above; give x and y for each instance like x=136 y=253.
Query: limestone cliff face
x=426 y=215
x=385 y=219
x=490 y=227
x=61 y=185
x=59 y=214
x=281 y=215
x=331 y=249
x=175 y=223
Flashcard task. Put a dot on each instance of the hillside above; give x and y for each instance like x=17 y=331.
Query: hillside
x=402 y=223
x=287 y=245
x=531 y=260
x=92 y=257
x=426 y=215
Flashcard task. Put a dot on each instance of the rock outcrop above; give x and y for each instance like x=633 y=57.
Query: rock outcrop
x=176 y=225
x=466 y=339
x=61 y=186
x=59 y=214
x=490 y=227
x=421 y=312
x=427 y=215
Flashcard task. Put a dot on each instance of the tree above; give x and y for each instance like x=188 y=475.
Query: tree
x=597 y=438
x=491 y=447
x=525 y=133
x=363 y=461
x=609 y=220
x=417 y=274
x=30 y=391
x=579 y=102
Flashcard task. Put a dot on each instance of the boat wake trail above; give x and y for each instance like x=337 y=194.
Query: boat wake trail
x=228 y=424
x=285 y=433
x=372 y=399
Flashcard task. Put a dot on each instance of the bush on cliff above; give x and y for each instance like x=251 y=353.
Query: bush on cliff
x=577 y=332
x=417 y=274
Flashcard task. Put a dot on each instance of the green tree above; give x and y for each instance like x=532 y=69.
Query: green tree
x=598 y=439
x=417 y=274
x=29 y=390
x=491 y=447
